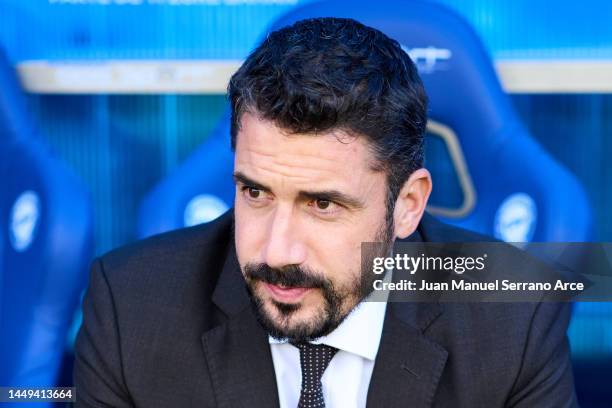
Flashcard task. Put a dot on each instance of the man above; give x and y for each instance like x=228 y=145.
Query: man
x=267 y=306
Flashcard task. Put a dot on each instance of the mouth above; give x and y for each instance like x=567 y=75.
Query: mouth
x=286 y=294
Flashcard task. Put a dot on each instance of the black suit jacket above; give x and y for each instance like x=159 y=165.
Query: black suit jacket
x=167 y=323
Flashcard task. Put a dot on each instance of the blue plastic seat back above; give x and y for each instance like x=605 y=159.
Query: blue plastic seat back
x=517 y=192
x=199 y=190
x=14 y=122
x=45 y=248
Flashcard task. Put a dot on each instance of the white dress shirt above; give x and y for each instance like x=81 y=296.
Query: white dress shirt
x=347 y=378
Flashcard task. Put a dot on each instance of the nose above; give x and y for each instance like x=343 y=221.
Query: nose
x=283 y=244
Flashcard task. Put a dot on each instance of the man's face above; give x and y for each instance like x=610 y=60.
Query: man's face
x=304 y=204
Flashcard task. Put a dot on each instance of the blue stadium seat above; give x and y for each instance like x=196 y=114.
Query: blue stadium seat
x=510 y=187
x=199 y=190
x=14 y=122
x=45 y=246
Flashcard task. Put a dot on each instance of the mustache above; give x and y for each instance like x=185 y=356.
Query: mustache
x=290 y=276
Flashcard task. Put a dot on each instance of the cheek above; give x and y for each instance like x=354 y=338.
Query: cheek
x=343 y=240
x=336 y=254
x=338 y=250
x=248 y=232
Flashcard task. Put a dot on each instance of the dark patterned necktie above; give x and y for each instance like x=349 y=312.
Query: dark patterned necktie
x=314 y=359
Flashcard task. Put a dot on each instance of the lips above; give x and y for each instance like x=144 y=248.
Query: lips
x=286 y=294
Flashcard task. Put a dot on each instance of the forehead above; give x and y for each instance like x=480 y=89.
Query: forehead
x=263 y=149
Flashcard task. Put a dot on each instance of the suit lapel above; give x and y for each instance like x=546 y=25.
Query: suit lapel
x=408 y=365
x=240 y=363
x=237 y=351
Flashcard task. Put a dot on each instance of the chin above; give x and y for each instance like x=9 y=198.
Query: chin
x=289 y=320
x=289 y=313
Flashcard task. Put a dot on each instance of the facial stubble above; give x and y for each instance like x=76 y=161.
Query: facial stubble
x=337 y=303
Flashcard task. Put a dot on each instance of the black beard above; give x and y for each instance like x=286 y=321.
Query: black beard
x=326 y=320
x=296 y=276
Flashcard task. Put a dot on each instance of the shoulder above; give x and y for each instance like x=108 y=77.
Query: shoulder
x=435 y=230
x=486 y=323
x=183 y=245
x=148 y=304
x=171 y=267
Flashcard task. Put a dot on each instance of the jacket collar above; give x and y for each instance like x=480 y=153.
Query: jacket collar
x=230 y=294
x=237 y=351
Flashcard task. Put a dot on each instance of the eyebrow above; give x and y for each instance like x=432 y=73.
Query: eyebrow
x=241 y=178
x=325 y=195
x=334 y=196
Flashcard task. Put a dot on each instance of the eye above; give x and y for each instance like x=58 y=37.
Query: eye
x=324 y=207
x=323 y=204
x=253 y=195
x=253 y=192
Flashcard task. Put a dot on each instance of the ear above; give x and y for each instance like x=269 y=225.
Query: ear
x=411 y=203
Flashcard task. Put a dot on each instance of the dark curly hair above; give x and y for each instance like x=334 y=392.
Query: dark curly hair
x=335 y=73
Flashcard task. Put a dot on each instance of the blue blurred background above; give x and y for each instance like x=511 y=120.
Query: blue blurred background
x=120 y=93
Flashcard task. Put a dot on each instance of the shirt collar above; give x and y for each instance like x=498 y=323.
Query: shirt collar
x=359 y=333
